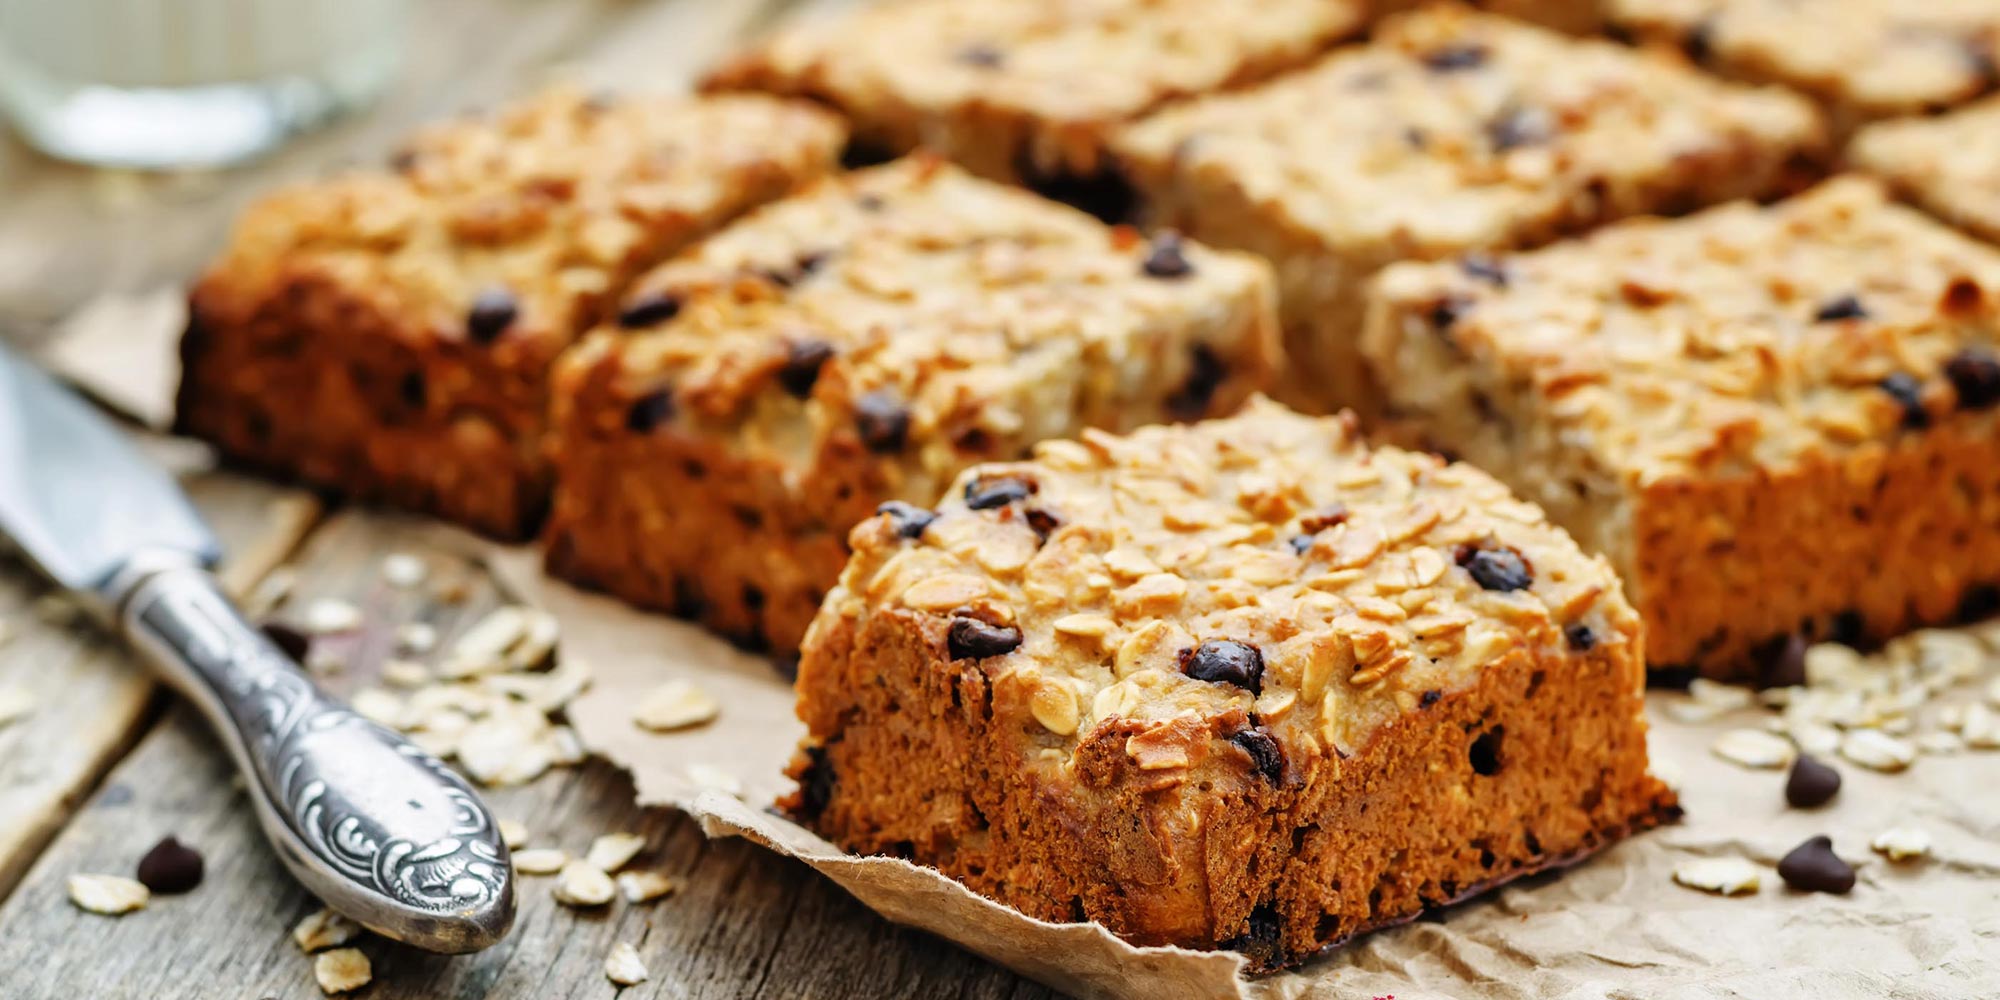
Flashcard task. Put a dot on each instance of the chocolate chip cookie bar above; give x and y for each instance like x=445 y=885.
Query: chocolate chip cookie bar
x=389 y=335
x=1246 y=683
x=1776 y=421
x=1450 y=131
x=857 y=345
x=1026 y=91
x=1948 y=165
x=1862 y=59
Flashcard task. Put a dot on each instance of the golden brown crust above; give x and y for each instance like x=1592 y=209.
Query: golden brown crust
x=1754 y=411
x=1445 y=692
x=1948 y=165
x=1449 y=131
x=389 y=335
x=1028 y=89
x=863 y=342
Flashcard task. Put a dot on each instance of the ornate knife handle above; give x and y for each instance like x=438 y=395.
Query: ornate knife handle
x=377 y=828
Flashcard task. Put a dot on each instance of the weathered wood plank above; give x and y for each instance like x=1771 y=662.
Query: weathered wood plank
x=745 y=922
x=91 y=700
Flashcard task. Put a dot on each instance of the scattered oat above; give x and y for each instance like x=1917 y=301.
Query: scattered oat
x=611 y=851
x=644 y=887
x=443 y=746
x=325 y=661
x=564 y=746
x=270 y=591
x=506 y=747
x=514 y=834
x=401 y=569
x=1980 y=727
x=1753 y=748
x=15 y=704
x=378 y=705
x=1938 y=742
x=1727 y=876
x=1901 y=843
x=1815 y=738
x=675 y=705
x=538 y=640
x=324 y=929
x=581 y=883
x=540 y=860
x=623 y=967
x=710 y=776
x=341 y=970
x=110 y=895
x=1877 y=751
x=453 y=591
x=329 y=615
x=482 y=649
x=416 y=638
x=405 y=673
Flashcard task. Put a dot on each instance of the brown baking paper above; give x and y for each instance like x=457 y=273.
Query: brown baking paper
x=1615 y=926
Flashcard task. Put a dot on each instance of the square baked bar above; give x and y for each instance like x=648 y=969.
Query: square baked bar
x=1239 y=684
x=1861 y=59
x=1948 y=165
x=1774 y=421
x=859 y=344
x=389 y=335
x=1450 y=131
x=1026 y=91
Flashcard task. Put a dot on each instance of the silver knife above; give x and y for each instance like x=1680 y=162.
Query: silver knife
x=375 y=827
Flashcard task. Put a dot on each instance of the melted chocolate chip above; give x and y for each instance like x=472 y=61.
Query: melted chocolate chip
x=1495 y=568
x=910 y=520
x=1454 y=58
x=972 y=639
x=1813 y=867
x=1811 y=783
x=493 y=311
x=411 y=390
x=648 y=309
x=1908 y=394
x=1168 y=257
x=1267 y=758
x=1042 y=522
x=1429 y=698
x=816 y=783
x=1842 y=307
x=987 y=493
x=1225 y=661
x=1517 y=127
x=1484 y=268
x=1263 y=940
x=1580 y=637
x=803 y=360
x=1447 y=311
x=1975 y=373
x=171 y=867
x=1699 y=43
x=650 y=411
x=982 y=55
x=882 y=422
x=1205 y=374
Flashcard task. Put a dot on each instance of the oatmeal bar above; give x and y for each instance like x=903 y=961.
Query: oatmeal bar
x=859 y=344
x=1862 y=59
x=1239 y=684
x=1948 y=165
x=1027 y=90
x=1774 y=421
x=1450 y=131
x=389 y=334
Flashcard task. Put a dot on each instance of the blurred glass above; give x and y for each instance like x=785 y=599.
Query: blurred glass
x=188 y=83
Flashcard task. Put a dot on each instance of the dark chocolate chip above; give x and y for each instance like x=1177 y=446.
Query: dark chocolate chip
x=753 y=597
x=1811 y=783
x=982 y=55
x=1042 y=522
x=1843 y=307
x=816 y=783
x=171 y=867
x=1453 y=58
x=650 y=411
x=493 y=311
x=1908 y=394
x=1848 y=628
x=1225 y=661
x=411 y=390
x=803 y=360
x=1267 y=758
x=1699 y=42
x=1962 y=297
x=290 y=641
x=1485 y=268
x=1975 y=373
x=1517 y=127
x=1447 y=311
x=1979 y=602
x=1783 y=662
x=1302 y=544
x=910 y=520
x=1168 y=257
x=1813 y=867
x=1980 y=62
x=882 y=422
x=1263 y=940
x=1205 y=374
x=972 y=639
x=1429 y=698
x=1580 y=637
x=648 y=309
x=987 y=493
x=1495 y=567
x=1485 y=756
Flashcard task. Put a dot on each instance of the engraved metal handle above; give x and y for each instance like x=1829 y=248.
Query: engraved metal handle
x=377 y=828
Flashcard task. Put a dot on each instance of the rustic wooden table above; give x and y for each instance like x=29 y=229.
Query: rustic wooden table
x=106 y=763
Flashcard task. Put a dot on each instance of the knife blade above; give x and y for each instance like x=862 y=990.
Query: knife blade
x=377 y=828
